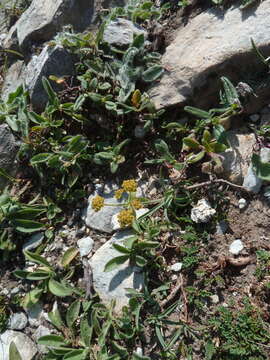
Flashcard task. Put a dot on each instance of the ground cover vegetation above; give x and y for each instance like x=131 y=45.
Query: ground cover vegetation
x=88 y=127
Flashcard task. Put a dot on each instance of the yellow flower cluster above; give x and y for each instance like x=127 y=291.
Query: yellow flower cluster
x=118 y=194
x=129 y=185
x=125 y=218
x=136 y=203
x=97 y=203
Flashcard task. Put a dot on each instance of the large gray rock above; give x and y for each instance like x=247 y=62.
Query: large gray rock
x=213 y=44
x=51 y=61
x=121 y=32
x=24 y=344
x=112 y=285
x=237 y=158
x=8 y=151
x=44 y=18
x=17 y=321
x=102 y=219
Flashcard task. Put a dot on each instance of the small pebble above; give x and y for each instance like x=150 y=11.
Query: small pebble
x=242 y=203
x=17 y=321
x=85 y=245
x=236 y=247
x=214 y=299
x=222 y=227
x=254 y=117
x=176 y=267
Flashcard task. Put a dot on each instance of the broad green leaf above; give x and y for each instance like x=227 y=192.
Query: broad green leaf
x=68 y=256
x=73 y=313
x=121 y=249
x=13 y=352
x=52 y=340
x=191 y=143
x=193 y=158
x=32 y=297
x=27 y=226
x=153 y=73
x=147 y=245
x=197 y=112
x=86 y=331
x=115 y=262
x=77 y=354
x=58 y=289
x=55 y=317
x=36 y=275
x=37 y=259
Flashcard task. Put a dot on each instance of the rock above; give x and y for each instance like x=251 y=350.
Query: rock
x=242 y=203
x=176 y=267
x=222 y=227
x=202 y=212
x=34 y=242
x=17 y=321
x=41 y=331
x=85 y=245
x=115 y=222
x=26 y=348
x=139 y=132
x=252 y=182
x=265 y=154
x=51 y=61
x=236 y=247
x=214 y=299
x=8 y=152
x=102 y=220
x=236 y=159
x=35 y=314
x=44 y=18
x=208 y=48
x=112 y=285
x=121 y=31
x=254 y=117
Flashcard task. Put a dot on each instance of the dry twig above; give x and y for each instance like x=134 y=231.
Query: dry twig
x=216 y=181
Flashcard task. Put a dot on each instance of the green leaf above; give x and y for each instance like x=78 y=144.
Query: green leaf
x=206 y=137
x=115 y=262
x=139 y=357
x=52 y=340
x=36 y=275
x=119 y=349
x=77 y=354
x=191 y=143
x=153 y=73
x=140 y=261
x=32 y=297
x=86 y=331
x=37 y=259
x=13 y=352
x=147 y=245
x=58 y=289
x=27 y=226
x=49 y=90
x=229 y=91
x=121 y=249
x=68 y=256
x=113 y=167
x=55 y=317
x=73 y=313
x=193 y=158
x=197 y=112
x=258 y=53
x=160 y=337
x=261 y=169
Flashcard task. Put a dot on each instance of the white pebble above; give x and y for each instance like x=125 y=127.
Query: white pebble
x=176 y=267
x=242 y=203
x=236 y=247
x=202 y=212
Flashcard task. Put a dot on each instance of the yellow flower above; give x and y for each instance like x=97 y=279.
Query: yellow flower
x=97 y=203
x=129 y=185
x=136 y=203
x=125 y=218
x=118 y=194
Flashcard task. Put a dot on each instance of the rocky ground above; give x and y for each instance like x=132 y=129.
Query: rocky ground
x=135 y=169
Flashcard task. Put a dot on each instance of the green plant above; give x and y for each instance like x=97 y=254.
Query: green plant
x=50 y=279
x=263 y=264
x=242 y=333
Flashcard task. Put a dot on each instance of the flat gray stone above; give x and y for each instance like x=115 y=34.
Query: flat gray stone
x=112 y=285
x=34 y=241
x=41 y=331
x=8 y=151
x=26 y=347
x=121 y=32
x=17 y=321
x=85 y=245
x=252 y=182
x=237 y=158
x=102 y=220
x=44 y=18
x=213 y=44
